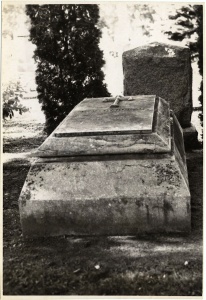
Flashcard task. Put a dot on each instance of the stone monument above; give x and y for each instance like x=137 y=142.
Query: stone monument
x=114 y=166
x=164 y=70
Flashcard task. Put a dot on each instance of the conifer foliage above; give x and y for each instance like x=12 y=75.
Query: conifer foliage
x=190 y=21
x=69 y=61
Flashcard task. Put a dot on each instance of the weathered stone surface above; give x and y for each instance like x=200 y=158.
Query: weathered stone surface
x=109 y=193
x=115 y=197
x=164 y=70
x=138 y=125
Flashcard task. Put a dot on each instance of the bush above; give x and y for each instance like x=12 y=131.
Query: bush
x=12 y=96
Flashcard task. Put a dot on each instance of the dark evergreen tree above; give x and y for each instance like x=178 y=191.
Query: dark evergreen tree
x=69 y=61
x=190 y=21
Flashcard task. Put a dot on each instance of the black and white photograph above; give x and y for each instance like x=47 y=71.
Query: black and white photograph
x=102 y=156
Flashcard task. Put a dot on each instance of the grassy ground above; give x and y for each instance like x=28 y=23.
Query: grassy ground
x=144 y=265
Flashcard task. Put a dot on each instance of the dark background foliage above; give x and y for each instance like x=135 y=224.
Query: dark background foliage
x=190 y=20
x=69 y=61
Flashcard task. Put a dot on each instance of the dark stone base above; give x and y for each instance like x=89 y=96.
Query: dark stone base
x=190 y=135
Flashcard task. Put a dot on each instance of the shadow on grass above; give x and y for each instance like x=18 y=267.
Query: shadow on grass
x=22 y=144
x=15 y=173
x=167 y=265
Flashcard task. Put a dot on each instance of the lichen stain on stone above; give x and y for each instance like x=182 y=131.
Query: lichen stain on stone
x=148 y=214
x=37 y=168
x=22 y=201
x=158 y=207
x=75 y=167
x=139 y=202
x=26 y=195
x=49 y=167
x=167 y=208
x=30 y=182
x=167 y=174
x=33 y=178
x=124 y=200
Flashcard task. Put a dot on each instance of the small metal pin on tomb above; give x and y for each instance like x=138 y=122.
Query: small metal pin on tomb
x=114 y=166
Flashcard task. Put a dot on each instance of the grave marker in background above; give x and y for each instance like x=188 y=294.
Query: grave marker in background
x=164 y=70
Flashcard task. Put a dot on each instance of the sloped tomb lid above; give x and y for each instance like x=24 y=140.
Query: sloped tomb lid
x=112 y=125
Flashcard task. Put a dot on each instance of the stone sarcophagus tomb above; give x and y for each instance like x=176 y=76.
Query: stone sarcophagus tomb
x=114 y=166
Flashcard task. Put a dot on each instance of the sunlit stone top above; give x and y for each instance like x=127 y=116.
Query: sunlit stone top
x=112 y=125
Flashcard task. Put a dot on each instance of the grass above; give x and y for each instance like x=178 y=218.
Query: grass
x=157 y=265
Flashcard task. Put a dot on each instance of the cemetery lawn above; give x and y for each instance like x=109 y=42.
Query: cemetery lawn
x=157 y=265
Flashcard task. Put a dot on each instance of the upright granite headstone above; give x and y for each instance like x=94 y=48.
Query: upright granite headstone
x=114 y=166
x=164 y=70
